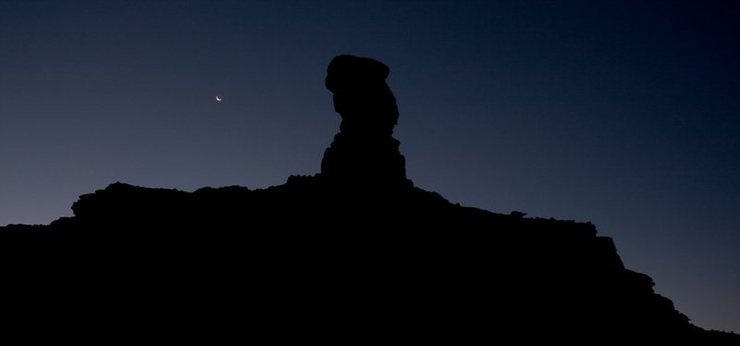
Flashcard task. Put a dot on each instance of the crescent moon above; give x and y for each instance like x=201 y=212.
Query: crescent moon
x=218 y=99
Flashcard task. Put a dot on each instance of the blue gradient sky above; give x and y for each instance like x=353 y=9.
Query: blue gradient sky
x=625 y=114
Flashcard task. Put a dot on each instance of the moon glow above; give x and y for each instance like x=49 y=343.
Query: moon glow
x=218 y=99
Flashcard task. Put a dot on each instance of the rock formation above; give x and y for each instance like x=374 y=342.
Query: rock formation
x=327 y=258
x=364 y=152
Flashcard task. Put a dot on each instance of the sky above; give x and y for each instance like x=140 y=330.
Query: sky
x=621 y=113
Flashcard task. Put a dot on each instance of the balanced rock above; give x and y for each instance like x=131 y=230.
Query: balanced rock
x=364 y=151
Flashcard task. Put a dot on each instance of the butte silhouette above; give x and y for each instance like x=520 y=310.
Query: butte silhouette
x=356 y=253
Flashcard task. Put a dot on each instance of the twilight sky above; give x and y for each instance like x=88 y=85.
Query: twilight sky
x=622 y=113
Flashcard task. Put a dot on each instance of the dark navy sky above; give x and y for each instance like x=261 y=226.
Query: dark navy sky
x=625 y=114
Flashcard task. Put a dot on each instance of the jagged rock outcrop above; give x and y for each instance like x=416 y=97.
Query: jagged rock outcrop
x=354 y=254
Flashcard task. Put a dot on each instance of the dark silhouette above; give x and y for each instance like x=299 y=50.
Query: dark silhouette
x=352 y=254
x=363 y=153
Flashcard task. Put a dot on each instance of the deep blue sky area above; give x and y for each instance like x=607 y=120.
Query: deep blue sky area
x=622 y=113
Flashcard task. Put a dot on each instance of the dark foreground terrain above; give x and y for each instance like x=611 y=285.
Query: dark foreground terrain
x=309 y=260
